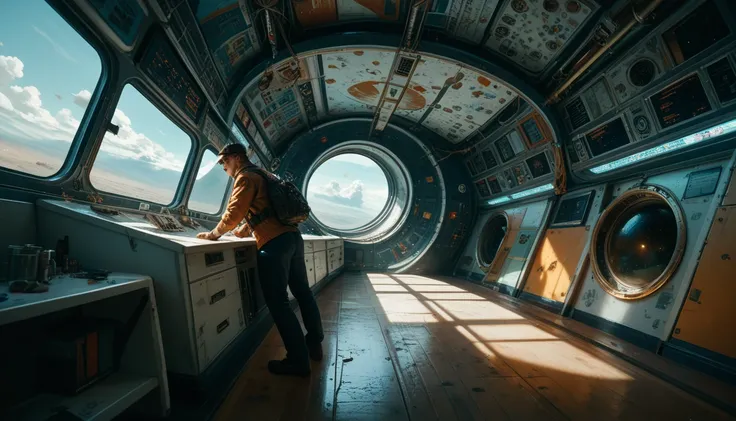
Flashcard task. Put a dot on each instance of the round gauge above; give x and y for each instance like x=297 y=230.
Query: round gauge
x=461 y=188
x=552 y=45
x=519 y=6
x=573 y=6
x=491 y=239
x=502 y=32
x=638 y=242
x=642 y=72
x=551 y=5
x=508 y=20
x=641 y=124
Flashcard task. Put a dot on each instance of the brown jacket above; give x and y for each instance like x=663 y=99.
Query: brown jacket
x=250 y=193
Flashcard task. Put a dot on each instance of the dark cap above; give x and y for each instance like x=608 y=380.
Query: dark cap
x=231 y=149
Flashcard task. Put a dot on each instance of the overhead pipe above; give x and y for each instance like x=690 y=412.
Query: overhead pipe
x=633 y=19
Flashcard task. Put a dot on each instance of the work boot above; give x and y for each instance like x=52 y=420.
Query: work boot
x=288 y=368
x=315 y=351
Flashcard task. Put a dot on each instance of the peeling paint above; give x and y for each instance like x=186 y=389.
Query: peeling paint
x=589 y=297
x=655 y=324
x=664 y=300
x=484 y=81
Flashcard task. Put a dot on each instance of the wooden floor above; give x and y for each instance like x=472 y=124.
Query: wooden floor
x=405 y=347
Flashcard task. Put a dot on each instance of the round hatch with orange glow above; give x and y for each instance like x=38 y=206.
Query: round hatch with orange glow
x=638 y=242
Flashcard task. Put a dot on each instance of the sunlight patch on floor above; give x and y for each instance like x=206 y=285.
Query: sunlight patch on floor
x=510 y=332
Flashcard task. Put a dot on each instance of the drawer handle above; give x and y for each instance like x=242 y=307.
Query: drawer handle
x=222 y=326
x=219 y=295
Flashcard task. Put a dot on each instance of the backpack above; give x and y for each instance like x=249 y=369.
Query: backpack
x=288 y=204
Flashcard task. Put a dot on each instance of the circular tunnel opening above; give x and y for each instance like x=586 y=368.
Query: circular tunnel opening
x=491 y=238
x=347 y=191
x=638 y=242
x=359 y=191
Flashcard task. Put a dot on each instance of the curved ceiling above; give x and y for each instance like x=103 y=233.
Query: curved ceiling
x=449 y=98
x=442 y=94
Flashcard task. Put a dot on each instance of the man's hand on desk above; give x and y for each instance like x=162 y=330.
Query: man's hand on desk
x=207 y=236
x=243 y=232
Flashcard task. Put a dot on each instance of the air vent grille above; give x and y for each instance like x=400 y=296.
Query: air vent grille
x=404 y=67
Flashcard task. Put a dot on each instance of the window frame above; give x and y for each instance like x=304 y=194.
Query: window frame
x=146 y=89
x=87 y=130
x=228 y=188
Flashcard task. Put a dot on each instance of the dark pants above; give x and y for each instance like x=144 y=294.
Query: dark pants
x=281 y=263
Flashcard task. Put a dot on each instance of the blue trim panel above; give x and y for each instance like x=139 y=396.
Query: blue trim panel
x=642 y=340
x=547 y=304
x=716 y=365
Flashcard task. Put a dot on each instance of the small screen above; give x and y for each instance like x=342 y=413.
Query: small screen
x=482 y=187
x=494 y=184
x=696 y=32
x=607 y=137
x=489 y=159
x=702 y=183
x=505 y=151
x=480 y=166
x=578 y=114
x=538 y=165
x=163 y=66
x=680 y=101
x=532 y=131
x=723 y=79
x=572 y=211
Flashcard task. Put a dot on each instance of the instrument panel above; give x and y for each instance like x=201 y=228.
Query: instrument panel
x=161 y=63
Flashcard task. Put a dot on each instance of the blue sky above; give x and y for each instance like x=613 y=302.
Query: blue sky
x=63 y=67
x=47 y=75
x=347 y=191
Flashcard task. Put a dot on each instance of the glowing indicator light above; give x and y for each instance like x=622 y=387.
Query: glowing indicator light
x=711 y=133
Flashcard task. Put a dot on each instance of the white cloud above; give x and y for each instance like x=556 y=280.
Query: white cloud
x=82 y=98
x=351 y=195
x=5 y=102
x=22 y=114
x=1 y=44
x=57 y=47
x=11 y=68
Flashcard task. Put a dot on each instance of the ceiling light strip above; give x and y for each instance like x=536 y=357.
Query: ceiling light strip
x=683 y=142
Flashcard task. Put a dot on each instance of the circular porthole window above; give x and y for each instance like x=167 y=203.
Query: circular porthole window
x=638 y=242
x=491 y=238
x=358 y=191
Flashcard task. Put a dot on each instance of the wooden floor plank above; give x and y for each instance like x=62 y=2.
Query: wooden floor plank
x=406 y=347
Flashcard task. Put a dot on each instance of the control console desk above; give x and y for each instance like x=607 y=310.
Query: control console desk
x=207 y=291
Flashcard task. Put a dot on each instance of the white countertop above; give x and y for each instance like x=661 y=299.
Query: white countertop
x=65 y=292
x=134 y=224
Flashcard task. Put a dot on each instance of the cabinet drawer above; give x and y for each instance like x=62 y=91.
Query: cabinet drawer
x=210 y=291
x=309 y=263
x=200 y=265
x=218 y=329
x=331 y=244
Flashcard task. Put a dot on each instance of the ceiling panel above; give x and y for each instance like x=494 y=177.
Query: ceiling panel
x=278 y=108
x=467 y=104
x=531 y=33
x=228 y=30
x=471 y=18
x=321 y=12
x=354 y=79
x=429 y=77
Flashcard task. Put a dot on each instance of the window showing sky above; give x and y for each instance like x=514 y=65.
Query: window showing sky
x=47 y=75
x=347 y=191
